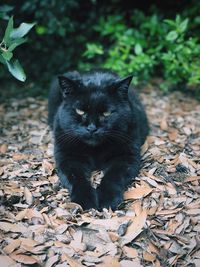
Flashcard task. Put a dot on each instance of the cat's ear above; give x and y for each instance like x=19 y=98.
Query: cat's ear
x=67 y=85
x=121 y=85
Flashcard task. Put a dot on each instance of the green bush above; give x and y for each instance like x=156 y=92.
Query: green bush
x=147 y=46
x=129 y=41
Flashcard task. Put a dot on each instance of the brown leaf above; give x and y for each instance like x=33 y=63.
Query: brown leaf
x=136 y=206
x=109 y=224
x=28 y=196
x=113 y=236
x=33 y=213
x=192 y=178
x=163 y=124
x=28 y=242
x=72 y=262
x=21 y=215
x=51 y=261
x=132 y=263
x=165 y=212
x=23 y=258
x=17 y=156
x=173 y=134
x=91 y=259
x=9 y=227
x=76 y=243
x=47 y=167
x=60 y=244
x=137 y=193
x=130 y=252
x=7 y=261
x=135 y=228
x=109 y=261
x=148 y=256
x=3 y=148
x=12 y=246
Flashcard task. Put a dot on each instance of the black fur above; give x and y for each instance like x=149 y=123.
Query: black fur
x=96 y=140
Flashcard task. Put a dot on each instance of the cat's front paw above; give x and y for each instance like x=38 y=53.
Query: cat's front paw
x=87 y=201
x=110 y=202
x=85 y=204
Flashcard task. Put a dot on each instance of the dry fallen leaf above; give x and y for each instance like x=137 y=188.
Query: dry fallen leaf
x=132 y=263
x=23 y=258
x=51 y=261
x=109 y=261
x=3 y=148
x=12 y=246
x=7 y=261
x=138 y=222
x=21 y=215
x=16 y=228
x=148 y=256
x=47 y=167
x=137 y=193
x=71 y=261
x=130 y=252
x=47 y=231
x=163 y=124
x=28 y=196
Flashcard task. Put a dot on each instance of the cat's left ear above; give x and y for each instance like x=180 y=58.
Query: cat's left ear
x=123 y=84
x=67 y=85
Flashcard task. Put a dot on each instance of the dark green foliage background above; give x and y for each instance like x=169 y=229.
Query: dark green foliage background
x=64 y=29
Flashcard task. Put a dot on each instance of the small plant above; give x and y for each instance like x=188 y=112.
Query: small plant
x=180 y=60
x=13 y=37
x=147 y=46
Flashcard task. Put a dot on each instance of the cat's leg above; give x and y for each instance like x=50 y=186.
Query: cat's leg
x=83 y=194
x=79 y=187
x=115 y=181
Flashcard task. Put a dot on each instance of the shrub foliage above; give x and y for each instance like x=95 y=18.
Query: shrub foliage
x=148 y=46
x=146 y=42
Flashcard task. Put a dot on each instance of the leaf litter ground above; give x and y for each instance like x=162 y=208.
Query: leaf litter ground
x=157 y=225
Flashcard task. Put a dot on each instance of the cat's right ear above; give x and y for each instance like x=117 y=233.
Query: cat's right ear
x=67 y=85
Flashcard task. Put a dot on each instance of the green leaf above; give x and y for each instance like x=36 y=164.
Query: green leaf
x=22 y=30
x=138 y=49
x=92 y=50
x=2 y=60
x=16 y=43
x=7 y=55
x=178 y=19
x=171 y=36
x=6 y=8
x=170 y=22
x=183 y=25
x=41 y=29
x=16 y=70
x=8 y=31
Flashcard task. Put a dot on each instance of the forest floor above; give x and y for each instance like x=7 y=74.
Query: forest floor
x=157 y=225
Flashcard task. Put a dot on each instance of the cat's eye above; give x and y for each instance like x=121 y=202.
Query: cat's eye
x=80 y=112
x=107 y=113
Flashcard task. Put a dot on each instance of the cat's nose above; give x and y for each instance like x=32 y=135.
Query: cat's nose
x=91 y=128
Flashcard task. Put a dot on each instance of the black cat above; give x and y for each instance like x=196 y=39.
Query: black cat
x=98 y=124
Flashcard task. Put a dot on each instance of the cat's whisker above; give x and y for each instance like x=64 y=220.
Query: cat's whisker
x=117 y=135
x=66 y=137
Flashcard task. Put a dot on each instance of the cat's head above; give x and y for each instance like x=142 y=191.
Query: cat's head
x=95 y=106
